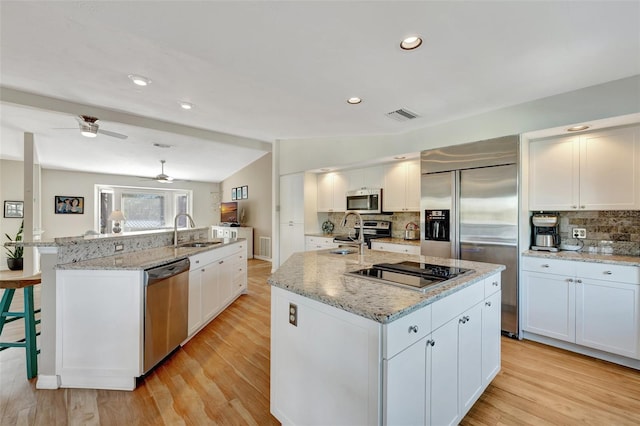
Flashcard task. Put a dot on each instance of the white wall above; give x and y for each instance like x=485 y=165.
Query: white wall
x=257 y=176
x=620 y=97
x=58 y=182
x=11 y=189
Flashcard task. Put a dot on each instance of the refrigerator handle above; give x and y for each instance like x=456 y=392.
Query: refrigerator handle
x=454 y=217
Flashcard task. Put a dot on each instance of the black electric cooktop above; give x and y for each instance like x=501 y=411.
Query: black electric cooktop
x=413 y=275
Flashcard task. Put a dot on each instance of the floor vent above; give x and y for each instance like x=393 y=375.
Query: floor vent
x=265 y=247
x=402 y=114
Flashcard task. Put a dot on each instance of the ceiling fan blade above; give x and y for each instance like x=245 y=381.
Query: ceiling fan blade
x=113 y=134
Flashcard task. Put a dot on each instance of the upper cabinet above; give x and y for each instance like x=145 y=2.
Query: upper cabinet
x=593 y=171
x=371 y=177
x=332 y=189
x=401 y=190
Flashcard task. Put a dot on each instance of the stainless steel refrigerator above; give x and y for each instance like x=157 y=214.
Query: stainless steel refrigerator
x=469 y=210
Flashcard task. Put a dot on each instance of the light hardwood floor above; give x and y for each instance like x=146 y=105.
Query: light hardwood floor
x=222 y=377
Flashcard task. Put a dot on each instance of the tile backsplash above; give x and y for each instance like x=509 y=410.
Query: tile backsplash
x=399 y=221
x=607 y=230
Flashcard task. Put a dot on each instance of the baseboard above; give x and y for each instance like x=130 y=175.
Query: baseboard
x=255 y=256
x=48 y=382
x=616 y=359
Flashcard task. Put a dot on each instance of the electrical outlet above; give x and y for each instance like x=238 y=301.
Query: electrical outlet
x=580 y=233
x=293 y=314
x=118 y=247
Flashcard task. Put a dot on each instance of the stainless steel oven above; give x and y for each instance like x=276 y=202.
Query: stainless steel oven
x=365 y=201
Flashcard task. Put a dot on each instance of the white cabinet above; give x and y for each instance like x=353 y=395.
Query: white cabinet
x=590 y=304
x=395 y=248
x=319 y=243
x=245 y=232
x=291 y=233
x=491 y=332
x=216 y=278
x=593 y=171
x=332 y=189
x=370 y=177
x=401 y=191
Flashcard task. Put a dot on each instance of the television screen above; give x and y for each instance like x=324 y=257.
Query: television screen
x=229 y=212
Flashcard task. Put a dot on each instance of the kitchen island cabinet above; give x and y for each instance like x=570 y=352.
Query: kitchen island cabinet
x=346 y=350
x=589 y=307
x=100 y=309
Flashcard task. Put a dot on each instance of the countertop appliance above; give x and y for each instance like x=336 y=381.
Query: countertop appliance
x=166 y=305
x=411 y=231
x=365 y=201
x=469 y=210
x=412 y=275
x=545 y=232
x=372 y=229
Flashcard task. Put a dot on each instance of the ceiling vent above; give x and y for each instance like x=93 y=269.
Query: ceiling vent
x=402 y=114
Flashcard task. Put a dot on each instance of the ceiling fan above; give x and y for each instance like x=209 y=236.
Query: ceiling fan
x=90 y=129
x=162 y=177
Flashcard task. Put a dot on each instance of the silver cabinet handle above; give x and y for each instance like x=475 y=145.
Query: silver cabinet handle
x=202 y=270
x=574 y=207
x=579 y=281
x=607 y=272
x=413 y=329
x=582 y=207
x=569 y=280
x=464 y=319
x=467 y=318
x=221 y=262
x=495 y=283
x=544 y=265
x=431 y=342
x=487 y=303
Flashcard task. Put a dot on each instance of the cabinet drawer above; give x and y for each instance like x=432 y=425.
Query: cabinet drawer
x=454 y=304
x=396 y=248
x=607 y=272
x=399 y=334
x=492 y=284
x=549 y=266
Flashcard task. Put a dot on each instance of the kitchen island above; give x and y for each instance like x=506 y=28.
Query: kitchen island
x=349 y=350
x=93 y=300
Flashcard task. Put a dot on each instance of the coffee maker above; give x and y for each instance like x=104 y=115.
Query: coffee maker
x=545 y=231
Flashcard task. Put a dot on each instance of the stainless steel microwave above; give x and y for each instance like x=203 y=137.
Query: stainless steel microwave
x=365 y=201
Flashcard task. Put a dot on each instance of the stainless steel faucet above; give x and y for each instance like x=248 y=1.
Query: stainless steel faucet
x=175 y=227
x=361 y=242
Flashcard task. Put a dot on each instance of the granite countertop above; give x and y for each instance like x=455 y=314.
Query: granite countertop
x=319 y=275
x=578 y=256
x=149 y=258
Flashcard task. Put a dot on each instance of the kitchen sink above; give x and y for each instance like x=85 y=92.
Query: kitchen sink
x=200 y=244
x=343 y=251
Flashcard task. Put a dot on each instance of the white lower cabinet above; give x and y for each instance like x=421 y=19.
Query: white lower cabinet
x=395 y=248
x=324 y=369
x=594 y=305
x=312 y=243
x=216 y=278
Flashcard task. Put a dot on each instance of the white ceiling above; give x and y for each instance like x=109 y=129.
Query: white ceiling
x=266 y=70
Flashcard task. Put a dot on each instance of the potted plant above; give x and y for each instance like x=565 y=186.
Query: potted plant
x=14 y=258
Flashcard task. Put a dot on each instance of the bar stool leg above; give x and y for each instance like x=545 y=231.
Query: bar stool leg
x=7 y=297
x=30 y=333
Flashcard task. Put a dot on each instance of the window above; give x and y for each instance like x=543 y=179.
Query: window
x=144 y=208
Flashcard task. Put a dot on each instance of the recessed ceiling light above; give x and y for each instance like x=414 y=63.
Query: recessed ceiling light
x=185 y=105
x=354 y=100
x=411 y=43
x=577 y=128
x=139 y=80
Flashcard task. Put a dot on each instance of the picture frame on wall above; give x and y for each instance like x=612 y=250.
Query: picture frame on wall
x=68 y=204
x=14 y=209
x=233 y=194
x=245 y=192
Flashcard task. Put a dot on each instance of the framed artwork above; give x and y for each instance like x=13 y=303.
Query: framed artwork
x=233 y=194
x=245 y=192
x=69 y=204
x=14 y=209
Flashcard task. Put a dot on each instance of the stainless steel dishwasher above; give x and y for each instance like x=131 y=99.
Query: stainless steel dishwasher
x=166 y=307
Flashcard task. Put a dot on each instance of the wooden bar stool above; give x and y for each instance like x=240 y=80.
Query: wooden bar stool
x=10 y=281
